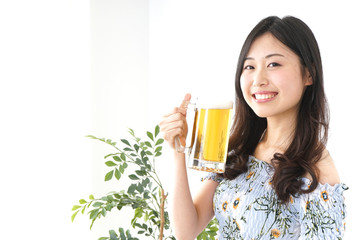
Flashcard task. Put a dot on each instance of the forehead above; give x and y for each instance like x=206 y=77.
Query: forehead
x=267 y=44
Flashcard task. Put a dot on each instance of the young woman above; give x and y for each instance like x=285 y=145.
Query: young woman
x=280 y=181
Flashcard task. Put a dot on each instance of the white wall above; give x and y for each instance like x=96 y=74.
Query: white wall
x=45 y=109
x=120 y=93
x=72 y=68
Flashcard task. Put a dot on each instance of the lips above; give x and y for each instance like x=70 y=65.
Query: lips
x=264 y=96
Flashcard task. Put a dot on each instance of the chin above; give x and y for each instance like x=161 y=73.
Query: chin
x=263 y=114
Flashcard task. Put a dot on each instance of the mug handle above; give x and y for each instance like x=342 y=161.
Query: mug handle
x=180 y=148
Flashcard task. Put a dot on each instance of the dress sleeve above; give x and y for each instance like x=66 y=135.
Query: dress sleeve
x=323 y=212
x=212 y=176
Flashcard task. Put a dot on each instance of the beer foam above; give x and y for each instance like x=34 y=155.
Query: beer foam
x=215 y=104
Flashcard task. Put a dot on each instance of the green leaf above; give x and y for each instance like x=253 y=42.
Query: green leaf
x=122 y=156
x=118 y=196
x=92 y=223
x=109 y=175
x=74 y=215
x=94 y=213
x=150 y=135
x=116 y=158
x=113 y=235
x=146 y=194
x=110 y=198
x=139 y=212
x=109 y=155
x=159 y=141
x=75 y=207
x=148 y=144
x=105 y=198
x=103 y=238
x=133 y=177
x=121 y=169
x=125 y=142
x=140 y=188
x=132 y=132
x=157 y=130
x=103 y=212
x=82 y=201
x=131 y=189
x=128 y=235
x=158 y=149
x=128 y=149
x=110 y=164
x=146 y=217
x=117 y=174
x=138 y=161
x=97 y=204
x=140 y=173
x=145 y=182
x=122 y=234
x=91 y=197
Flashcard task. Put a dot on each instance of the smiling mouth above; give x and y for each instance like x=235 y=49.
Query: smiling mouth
x=264 y=96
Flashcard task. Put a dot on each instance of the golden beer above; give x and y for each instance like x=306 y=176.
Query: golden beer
x=210 y=137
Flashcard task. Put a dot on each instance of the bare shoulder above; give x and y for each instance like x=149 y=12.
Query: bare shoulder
x=327 y=170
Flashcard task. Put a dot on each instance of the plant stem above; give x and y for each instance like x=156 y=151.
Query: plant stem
x=162 y=217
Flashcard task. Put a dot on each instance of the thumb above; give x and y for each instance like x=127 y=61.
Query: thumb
x=186 y=101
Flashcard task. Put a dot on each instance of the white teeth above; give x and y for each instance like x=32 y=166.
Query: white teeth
x=264 y=96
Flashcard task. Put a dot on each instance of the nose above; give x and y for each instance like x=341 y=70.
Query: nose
x=260 y=78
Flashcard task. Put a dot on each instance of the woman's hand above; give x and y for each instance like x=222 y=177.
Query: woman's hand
x=174 y=123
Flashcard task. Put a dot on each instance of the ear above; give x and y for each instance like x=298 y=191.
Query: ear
x=308 y=78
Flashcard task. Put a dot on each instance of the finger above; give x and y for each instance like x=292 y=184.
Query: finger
x=182 y=108
x=176 y=110
x=170 y=136
x=174 y=121
x=186 y=101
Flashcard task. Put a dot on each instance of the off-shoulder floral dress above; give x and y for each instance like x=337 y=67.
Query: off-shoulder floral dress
x=248 y=208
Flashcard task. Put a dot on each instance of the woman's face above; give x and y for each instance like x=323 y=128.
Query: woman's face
x=272 y=80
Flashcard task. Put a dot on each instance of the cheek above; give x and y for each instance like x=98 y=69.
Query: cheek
x=292 y=90
x=245 y=88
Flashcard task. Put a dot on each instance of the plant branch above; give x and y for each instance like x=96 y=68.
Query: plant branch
x=162 y=215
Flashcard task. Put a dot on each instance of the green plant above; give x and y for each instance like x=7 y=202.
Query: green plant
x=145 y=194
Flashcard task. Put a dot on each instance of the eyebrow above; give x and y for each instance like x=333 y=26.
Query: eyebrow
x=267 y=56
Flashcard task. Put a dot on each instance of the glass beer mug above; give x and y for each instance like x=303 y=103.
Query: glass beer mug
x=208 y=146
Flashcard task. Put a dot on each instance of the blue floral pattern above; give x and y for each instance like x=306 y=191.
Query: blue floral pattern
x=247 y=207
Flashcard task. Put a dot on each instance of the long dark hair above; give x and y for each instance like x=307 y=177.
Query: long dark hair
x=311 y=130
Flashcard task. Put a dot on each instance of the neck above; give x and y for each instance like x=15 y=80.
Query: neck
x=279 y=133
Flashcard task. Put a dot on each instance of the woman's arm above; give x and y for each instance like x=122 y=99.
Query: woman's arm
x=189 y=215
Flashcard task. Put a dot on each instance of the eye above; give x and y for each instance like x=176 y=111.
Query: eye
x=248 y=67
x=274 y=64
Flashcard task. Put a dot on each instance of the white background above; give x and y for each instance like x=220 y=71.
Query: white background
x=73 y=68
